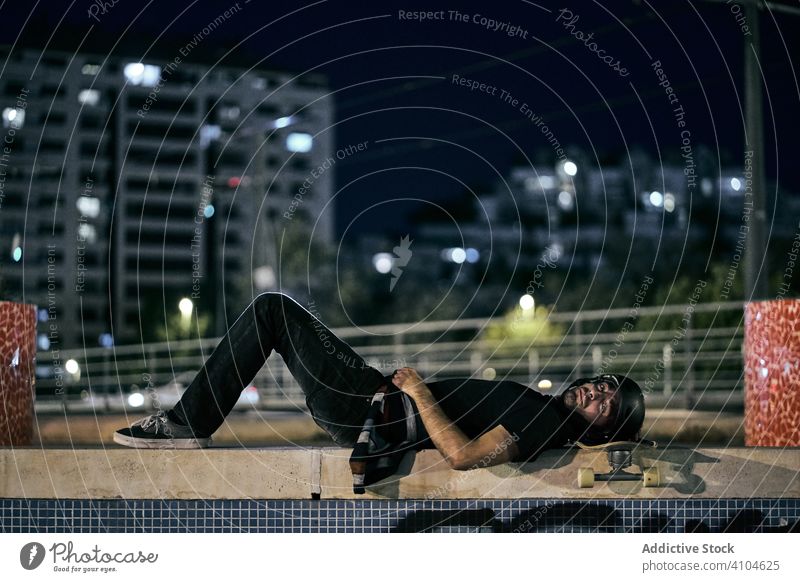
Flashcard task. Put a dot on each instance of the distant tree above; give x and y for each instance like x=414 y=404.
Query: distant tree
x=178 y=327
x=518 y=330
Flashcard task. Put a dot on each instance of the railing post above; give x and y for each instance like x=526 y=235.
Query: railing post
x=533 y=363
x=64 y=404
x=151 y=366
x=666 y=357
x=283 y=390
x=397 y=341
x=689 y=354
x=475 y=362
x=421 y=364
x=578 y=327
x=106 y=374
x=597 y=359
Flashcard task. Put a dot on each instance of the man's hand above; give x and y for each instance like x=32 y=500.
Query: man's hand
x=409 y=381
x=493 y=448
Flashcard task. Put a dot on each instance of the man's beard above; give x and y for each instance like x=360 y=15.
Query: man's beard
x=570 y=399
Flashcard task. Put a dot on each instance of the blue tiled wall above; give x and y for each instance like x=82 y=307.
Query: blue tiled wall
x=519 y=515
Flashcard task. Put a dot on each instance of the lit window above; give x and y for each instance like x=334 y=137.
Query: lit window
x=89 y=97
x=89 y=69
x=88 y=206
x=259 y=83
x=209 y=133
x=555 y=250
x=87 y=233
x=535 y=184
x=16 y=248
x=547 y=182
x=230 y=113
x=565 y=200
x=299 y=142
x=141 y=74
x=13 y=117
x=283 y=122
x=43 y=342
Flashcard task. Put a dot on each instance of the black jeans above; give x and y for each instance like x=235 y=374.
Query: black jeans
x=337 y=383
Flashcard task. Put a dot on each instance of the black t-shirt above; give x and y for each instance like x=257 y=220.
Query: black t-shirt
x=536 y=421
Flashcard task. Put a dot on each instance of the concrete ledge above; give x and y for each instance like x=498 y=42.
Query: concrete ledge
x=214 y=473
x=295 y=473
x=697 y=473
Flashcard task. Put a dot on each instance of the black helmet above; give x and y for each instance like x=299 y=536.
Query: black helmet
x=630 y=415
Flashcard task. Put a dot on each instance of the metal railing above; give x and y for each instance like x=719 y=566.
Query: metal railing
x=677 y=363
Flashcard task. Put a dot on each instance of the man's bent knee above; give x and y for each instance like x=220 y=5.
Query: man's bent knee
x=268 y=298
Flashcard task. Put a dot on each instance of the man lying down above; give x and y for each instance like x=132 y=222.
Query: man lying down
x=473 y=423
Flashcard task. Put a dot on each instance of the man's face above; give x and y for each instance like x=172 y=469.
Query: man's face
x=595 y=403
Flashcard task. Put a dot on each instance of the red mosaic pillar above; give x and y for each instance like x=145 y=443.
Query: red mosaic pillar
x=17 y=378
x=772 y=373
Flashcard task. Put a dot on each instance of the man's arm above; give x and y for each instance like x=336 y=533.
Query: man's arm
x=493 y=448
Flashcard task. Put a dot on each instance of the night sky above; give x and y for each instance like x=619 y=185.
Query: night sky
x=393 y=78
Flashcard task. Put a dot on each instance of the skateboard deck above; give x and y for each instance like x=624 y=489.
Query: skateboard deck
x=620 y=457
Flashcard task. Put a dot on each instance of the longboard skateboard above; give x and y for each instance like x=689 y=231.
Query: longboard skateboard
x=620 y=457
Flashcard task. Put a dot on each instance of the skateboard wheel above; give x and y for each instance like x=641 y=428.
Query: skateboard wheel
x=652 y=477
x=585 y=477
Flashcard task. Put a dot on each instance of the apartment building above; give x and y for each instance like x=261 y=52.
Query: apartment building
x=123 y=181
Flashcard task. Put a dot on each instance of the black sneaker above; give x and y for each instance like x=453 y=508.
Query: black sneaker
x=157 y=431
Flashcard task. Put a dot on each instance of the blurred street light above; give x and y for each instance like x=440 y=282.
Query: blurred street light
x=458 y=255
x=656 y=198
x=527 y=302
x=72 y=367
x=383 y=262
x=264 y=278
x=186 y=306
x=669 y=202
x=135 y=399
